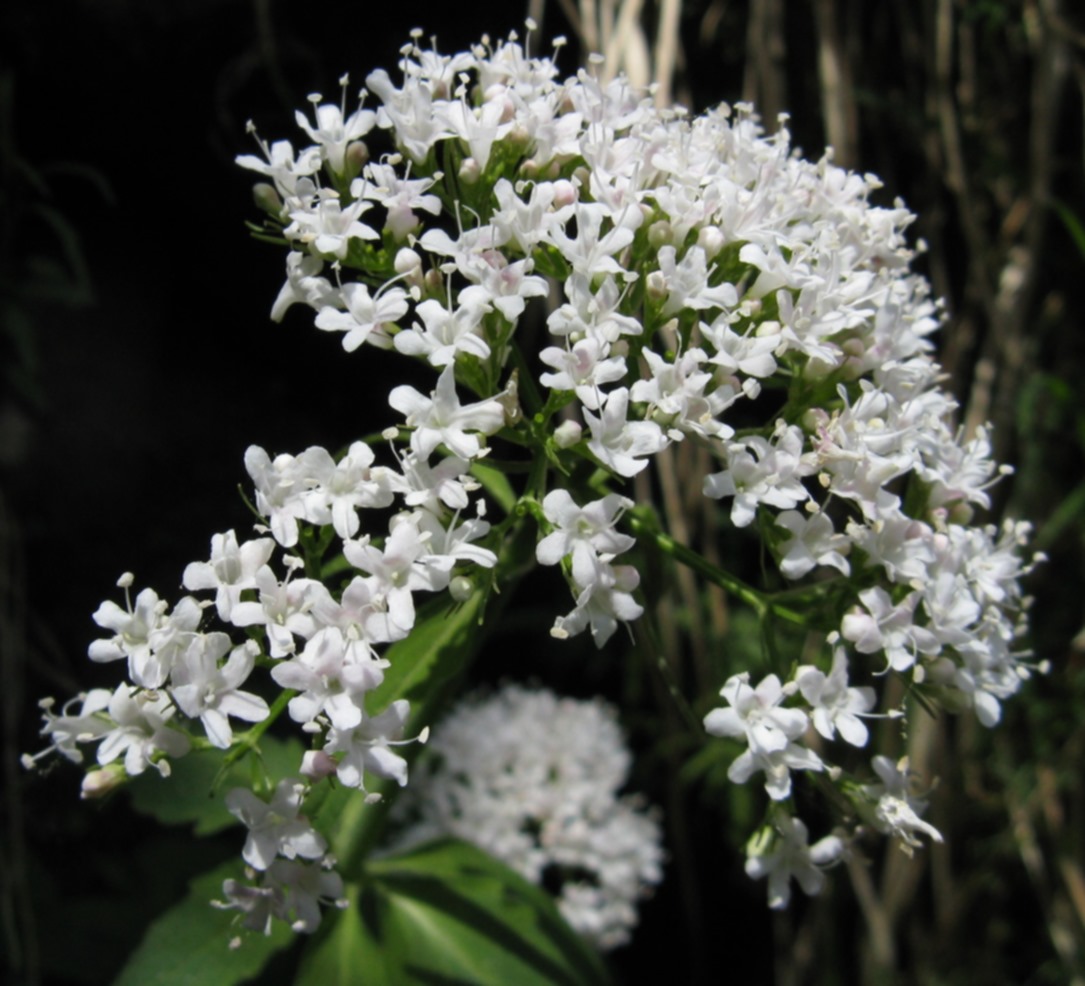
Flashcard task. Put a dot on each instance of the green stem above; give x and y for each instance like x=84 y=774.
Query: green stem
x=526 y=382
x=762 y=603
x=248 y=741
x=665 y=543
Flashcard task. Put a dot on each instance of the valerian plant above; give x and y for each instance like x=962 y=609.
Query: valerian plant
x=701 y=283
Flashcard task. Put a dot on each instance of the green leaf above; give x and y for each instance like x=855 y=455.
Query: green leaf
x=448 y=913
x=187 y=796
x=495 y=483
x=190 y=944
x=439 y=646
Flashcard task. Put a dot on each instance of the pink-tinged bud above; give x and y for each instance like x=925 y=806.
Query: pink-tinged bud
x=355 y=158
x=567 y=434
x=98 y=783
x=470 y=172
x=565 y=193
x=433 y=283
x=316 y=765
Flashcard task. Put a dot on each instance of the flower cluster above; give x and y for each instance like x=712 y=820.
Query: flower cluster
x=278 y=835
x=534 y=779
x=706 y=285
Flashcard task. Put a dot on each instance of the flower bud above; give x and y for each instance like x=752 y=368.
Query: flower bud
x=461 y=588
x=407 y=261
x=267 y=199
x=98 y=783
x=565 y=193
x=433 y=282
x=316 y=764
x=470 y=172
x=660 y=233
x=567 y=434
x=711 y=240
x=961 y=513
x=355 y=158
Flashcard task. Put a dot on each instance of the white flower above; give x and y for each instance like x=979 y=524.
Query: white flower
x=303 y=284
x=769 y=729
x=399 y=196
x=441 y=419
x=342 y=488
x=304 y=887
x=367 y=747
x=583 y=532
x=605 y=599
x=331 y=678
x=759 y=472
x=813 y=542
x=784 y=855
x=71 y=728
x=756 y=714
x=275 y=827
x=232 y=569
x=332 y=132
x=889 y=628
x=328 y=226
x=146 y=634
x=687 y=283
x=583 y=369
x=140 y=732
x=896 y=809
x=211 y=693
x=834 y=705
x=405 y=565
x=447 y=332
x=279 y=488
x=283 y=611
x=619 y=443
x=676 y=393
x=366 y=319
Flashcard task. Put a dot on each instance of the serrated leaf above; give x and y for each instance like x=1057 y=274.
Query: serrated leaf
x=189 y=944
x=186 y=797
x=448 y=913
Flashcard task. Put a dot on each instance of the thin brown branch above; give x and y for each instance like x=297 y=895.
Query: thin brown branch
x=837 y=88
